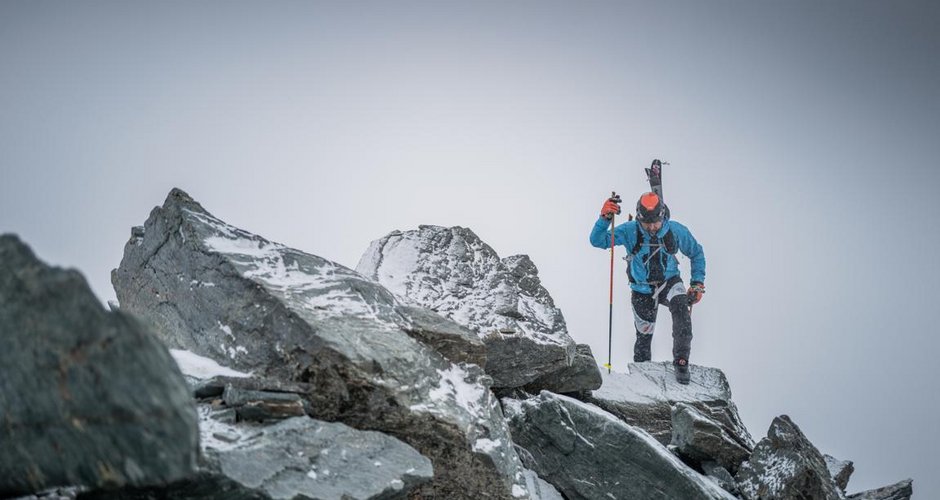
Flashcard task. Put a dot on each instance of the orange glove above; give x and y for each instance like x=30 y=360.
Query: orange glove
x=695 y=292
x=611 y=207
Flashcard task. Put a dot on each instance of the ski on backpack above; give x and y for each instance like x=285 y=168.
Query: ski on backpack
x=655 y=176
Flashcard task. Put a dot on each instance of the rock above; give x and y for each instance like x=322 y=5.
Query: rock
x=702 y=439
x=644 y=396
x=296 y=458
x=539 y=489
x=260 y=406
x=275 y=312
x=454 y=273
x=87 y=397
x=588 y=453
x=786 y=465
x=720 y=476
x=581 y=376
x=454 y=342
x=840 y=470
x=899 y=491
x=315 y=459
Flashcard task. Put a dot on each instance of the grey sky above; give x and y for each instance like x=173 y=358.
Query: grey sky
x=803 y=138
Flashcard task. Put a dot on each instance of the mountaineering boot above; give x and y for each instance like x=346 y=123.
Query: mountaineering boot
x=641 y=349
x=682 y=370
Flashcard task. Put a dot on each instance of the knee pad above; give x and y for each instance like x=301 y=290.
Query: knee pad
x=643 y=327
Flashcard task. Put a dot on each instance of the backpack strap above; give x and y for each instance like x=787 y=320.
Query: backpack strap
x=669 y=241
x=639 y=241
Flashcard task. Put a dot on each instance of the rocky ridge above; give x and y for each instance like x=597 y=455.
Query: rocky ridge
x=311 y=380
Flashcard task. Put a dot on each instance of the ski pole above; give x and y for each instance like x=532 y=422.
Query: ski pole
x=610 y=318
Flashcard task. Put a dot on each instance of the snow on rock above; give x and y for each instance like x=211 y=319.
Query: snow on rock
x=840 y=470
x=454 y=273
x=644 y=397
x=902 y=490
x=200 y=367
x=282 y=314
x=785 y=465
x=540 y=489
x=587 y=453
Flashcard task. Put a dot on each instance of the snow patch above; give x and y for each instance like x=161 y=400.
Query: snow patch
x=485 y=445
x=200 y=367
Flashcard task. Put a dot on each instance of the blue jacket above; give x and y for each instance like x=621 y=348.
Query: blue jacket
x=626 y=234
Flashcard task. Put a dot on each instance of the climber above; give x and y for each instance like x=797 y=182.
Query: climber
x=652 y=241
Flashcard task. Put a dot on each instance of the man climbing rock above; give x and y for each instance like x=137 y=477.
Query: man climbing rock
x=652 y=241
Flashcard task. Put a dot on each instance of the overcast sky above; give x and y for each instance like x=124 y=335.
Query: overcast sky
x=802 y=135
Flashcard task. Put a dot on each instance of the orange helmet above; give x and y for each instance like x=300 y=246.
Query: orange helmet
x=650 y=208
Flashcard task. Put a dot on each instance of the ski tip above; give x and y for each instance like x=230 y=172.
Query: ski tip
x=607 y=365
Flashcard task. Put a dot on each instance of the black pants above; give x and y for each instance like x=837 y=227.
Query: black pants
x=673 y=295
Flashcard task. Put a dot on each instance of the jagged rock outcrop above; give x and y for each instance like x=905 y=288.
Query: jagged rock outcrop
x=588 y=453
x=454 y=273
x=87 y=397
x=786 y=465
x=644 y=398
x=276 y=312
x=840 y=470
x=702 y=439
x=899 y=491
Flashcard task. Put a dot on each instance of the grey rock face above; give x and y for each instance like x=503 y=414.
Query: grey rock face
x=539 y=489
x=898 y=491
x=313 y=459
x=699 y=437
x=720 y=476
x=279 y=313
x=840 y=470
x=587 y=453
x=644 y=398
x=581 y=375
x=786 y=465
x=87 y=397
x=295 y=458
x=454 y=273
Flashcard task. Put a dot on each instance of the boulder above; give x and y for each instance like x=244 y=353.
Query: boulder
x=588 y=453
x=276 y=312
x=88 y=397
x=898 y=491
x=840 y=470
x=786 y=465
x=702 y=439
x=644 y=396
x=454 y=273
